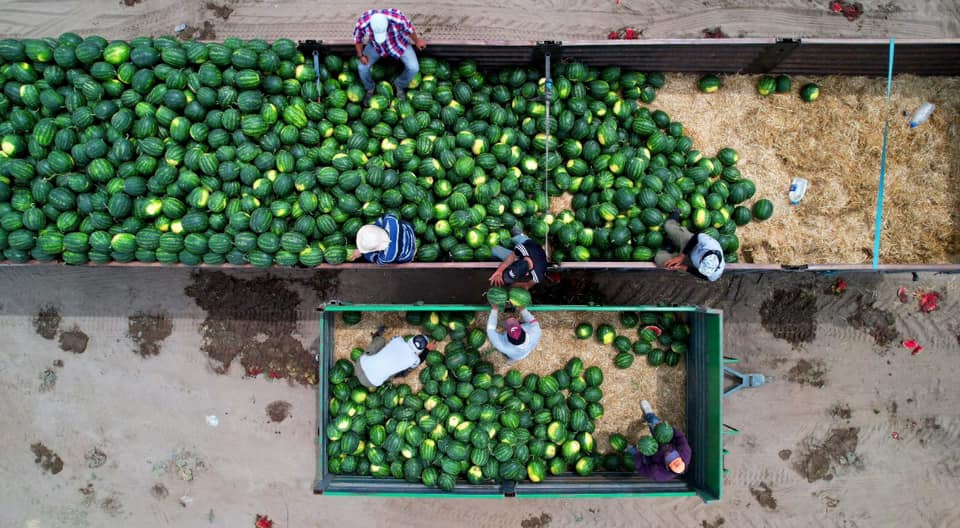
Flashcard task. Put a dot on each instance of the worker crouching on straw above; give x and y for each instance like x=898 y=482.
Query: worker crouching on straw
x=518 y=339
x=387 y=32
x=389 y=240
x=670 y=460
x=700 y=254
x=524 y=267
x=384 y=360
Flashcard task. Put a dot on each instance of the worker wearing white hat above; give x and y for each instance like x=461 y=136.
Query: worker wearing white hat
x=387 y=32
x=386 y=241
x=700 y=254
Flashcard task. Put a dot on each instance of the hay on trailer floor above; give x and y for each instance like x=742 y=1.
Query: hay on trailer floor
x=623 y=389
x=836 y=143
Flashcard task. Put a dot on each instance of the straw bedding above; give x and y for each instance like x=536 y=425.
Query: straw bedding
x=623 y=389
x=836 y=143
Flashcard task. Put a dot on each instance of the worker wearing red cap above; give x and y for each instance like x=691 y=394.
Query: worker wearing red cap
x=670 y=460
x=386 y=32
x=518 y=338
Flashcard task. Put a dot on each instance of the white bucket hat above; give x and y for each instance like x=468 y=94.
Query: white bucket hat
x=371 y=238
x=379 y=23
x=708 y=265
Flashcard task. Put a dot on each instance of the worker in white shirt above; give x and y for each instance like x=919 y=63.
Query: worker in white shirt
x=397 y=357
x=518 y=339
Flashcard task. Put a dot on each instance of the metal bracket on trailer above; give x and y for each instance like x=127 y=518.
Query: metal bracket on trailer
x=313 y=47
x=747 y=381
x=509 y=488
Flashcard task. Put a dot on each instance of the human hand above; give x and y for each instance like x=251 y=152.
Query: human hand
x=420 y=43
x=364 y=60
x=355 y=255
x=497 y=278
x=675 y=263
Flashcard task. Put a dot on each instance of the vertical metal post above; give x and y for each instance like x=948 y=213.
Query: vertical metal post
x=316 y=69
x=548 y=94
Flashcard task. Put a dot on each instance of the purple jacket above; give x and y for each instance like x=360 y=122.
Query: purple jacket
x=655 y=468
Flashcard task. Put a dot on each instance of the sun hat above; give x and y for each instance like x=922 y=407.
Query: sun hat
x=371 y=238
x=515 y=333
x=674 y=462
x=709 y=264
x=379 y=23
x=516 y=271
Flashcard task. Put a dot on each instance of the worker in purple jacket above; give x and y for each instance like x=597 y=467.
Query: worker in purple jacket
x=669 y=461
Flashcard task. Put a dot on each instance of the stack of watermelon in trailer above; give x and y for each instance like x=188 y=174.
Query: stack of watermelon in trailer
x=556 y=423
x=162 y=151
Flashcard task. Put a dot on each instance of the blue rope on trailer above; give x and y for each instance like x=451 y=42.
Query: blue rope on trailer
x=883 y=165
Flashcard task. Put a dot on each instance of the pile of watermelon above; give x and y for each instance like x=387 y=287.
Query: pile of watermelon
x=662 y=337
x=157 y=150
x=465 y=423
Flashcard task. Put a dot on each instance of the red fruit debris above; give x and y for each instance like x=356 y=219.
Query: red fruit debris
x=895 y=435
x=253 y=372
x=928 y=302
x=656 y=329
x=263 y=522
x=630 y=34
x=840 y=286
x=836 y=7
x=902 y=294
x=275 y=375
x=916 y=350
x=913 y=346
x=613 y=35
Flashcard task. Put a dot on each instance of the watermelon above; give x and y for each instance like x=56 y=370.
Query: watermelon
x=783 y=83
x=648 y=445
x=497 y=296
x=623 y=360
x=766 y=85
x=762 y=209
x=709 y=83
x=618 y=442
x=605 y=334
x=663 y=433
x=519 y=297
x=809 y=92
x=583 y=331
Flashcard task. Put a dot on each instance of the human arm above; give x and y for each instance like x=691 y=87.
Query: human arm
x=355 y=255
x=492 y=334
x=676 y=263
x=359 y=31
x=497 y=278
x=682 y=446
x=417 y=40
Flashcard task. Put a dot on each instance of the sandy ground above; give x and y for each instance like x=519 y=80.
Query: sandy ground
x=483 y=20
x=816 y=446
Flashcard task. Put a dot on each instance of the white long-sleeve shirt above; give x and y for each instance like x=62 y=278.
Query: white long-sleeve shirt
x=398 y=355
x=499 y=339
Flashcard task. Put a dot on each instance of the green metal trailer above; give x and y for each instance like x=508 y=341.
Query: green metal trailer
x=704 y=422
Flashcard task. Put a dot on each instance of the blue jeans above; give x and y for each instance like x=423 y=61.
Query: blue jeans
x=502 y=253
x=652 y=420
x=410 y=70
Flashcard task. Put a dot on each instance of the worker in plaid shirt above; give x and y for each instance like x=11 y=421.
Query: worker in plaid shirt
x=387 y=32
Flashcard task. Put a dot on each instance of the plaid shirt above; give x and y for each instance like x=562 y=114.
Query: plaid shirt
x=399 y=30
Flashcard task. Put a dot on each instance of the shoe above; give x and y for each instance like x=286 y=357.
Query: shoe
x=675 y=215
x=515 y=231
x=631 y=450
x=401 y=94
x=380 y=330
x=645 y=405
x=366 y=98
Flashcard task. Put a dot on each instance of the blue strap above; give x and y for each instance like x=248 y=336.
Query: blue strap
x=883 y=166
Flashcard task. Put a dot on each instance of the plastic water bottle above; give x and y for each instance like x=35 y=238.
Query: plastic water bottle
x=921 y=114
x=797 y=189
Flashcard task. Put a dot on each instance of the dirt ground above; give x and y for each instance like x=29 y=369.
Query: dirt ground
x=481 y=20
x=116 y=437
